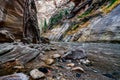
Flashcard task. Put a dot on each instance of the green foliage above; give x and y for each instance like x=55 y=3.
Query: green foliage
x=66 y=12
x=58 y=17
x=85 y=14
x=75 y=26
x=89 y=10
x=111 y=3
x=45 y=25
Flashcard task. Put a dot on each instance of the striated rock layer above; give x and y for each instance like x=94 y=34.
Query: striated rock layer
x=103 y=29
x=18 y=20
x=87 y=22
x=11 y=19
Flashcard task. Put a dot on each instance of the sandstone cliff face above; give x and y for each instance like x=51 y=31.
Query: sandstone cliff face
x=11 y=19
x=12 y=11
x=18 y=20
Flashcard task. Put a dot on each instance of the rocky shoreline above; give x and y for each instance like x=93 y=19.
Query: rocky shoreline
x=60 y=61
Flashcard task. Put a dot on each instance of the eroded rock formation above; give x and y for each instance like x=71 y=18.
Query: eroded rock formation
x=12 y=25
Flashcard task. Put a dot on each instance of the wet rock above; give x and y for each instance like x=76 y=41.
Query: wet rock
x=16 y=76
x=109 y=76
x=85 y=61
x=43 y=69
x=56 y=55
x=79 y=69
x=4 y=48
x=75 y=54
x=78 y=75
x=49 y=61
x=71 y=65
x=36 y=74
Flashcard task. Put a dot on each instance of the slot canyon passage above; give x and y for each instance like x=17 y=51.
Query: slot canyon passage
x=59 y=39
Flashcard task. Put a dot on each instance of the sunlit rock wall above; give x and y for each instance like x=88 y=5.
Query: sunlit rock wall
x=48 y=8
x=97 y=22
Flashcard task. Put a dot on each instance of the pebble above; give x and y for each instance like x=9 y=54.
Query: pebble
x=47 y=49
x=78 y=69
x=68 y=68
x=60 y=74
x=71 y=65
x=85 y=61
x=43 y=52
x=18 y=67
x=62 y=79
x=58 y=78
x=49 y=61
x=56 y=56
x=50 y=78
x=69 y=61
x=36 y=74
x=95 y=71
